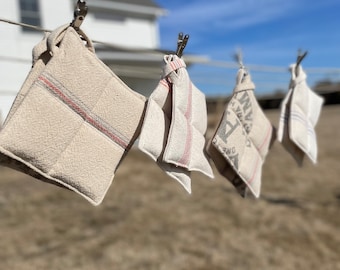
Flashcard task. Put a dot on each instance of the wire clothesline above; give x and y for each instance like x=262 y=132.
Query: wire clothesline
x=34 y=27
x=208 y=62
x=271 y=69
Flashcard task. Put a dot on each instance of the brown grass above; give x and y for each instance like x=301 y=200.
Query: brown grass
x=147 y=221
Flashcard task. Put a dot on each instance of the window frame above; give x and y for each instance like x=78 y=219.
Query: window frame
x=29 y=11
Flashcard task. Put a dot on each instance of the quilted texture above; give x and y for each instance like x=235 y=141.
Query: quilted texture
x=300 y=111
x=40 y=56
x=175 y=124
x=242 y=139
x=75 y=121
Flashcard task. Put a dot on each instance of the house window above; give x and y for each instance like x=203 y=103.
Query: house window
x=30 y=13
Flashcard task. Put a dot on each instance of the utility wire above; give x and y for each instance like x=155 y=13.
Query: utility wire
x=110 y=45
x=263 y=68
x=25 y=25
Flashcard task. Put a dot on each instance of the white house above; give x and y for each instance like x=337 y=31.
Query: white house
x=127 y=24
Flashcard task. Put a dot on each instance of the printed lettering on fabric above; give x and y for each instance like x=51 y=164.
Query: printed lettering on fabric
x=227 y=127
x=231 y=152
x=242 y=138
x=241 y=104
x=242 y=166
x=225 y=133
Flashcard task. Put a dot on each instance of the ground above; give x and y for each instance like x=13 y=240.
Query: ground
x=148 y=221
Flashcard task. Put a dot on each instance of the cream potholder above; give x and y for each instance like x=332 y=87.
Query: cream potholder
x=242 y=138
x=155 y=129
x=185 y=146
x=300 y=111
x=76 y=121
x=40 y=57
x=175 y=124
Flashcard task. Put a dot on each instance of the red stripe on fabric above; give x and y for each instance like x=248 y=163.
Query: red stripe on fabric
x=186 y=154
x=164 y=83
x=266 y=139
x=173 y=66
x=188 y=115
x=176 y=64
x=179 y=63
x=254 y=172
x=82 y=112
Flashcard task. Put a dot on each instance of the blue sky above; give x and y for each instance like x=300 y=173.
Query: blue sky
x=269 y=32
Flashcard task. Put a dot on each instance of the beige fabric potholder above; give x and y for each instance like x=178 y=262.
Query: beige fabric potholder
x=300 y=111
x=76 y=121
x=185 y=146
x=40 y=57
x=242 y=139
x=155 y=129
x=175 y=123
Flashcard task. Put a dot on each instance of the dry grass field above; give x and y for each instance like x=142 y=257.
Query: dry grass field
x=147 y=221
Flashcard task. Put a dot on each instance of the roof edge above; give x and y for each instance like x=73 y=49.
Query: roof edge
x=127 y=7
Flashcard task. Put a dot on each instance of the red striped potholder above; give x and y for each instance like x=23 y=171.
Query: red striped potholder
x=175 y=123
x=77 y=120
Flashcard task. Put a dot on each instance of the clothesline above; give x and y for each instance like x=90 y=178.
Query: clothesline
x=208 y=62
x=272 y=69
x=144 y=50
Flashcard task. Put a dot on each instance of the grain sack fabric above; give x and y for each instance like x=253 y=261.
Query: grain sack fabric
x=155 y=129
x=40 y=56
x=76 y=121
x=243 y=137
x=175 y=124
x=300 y=111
